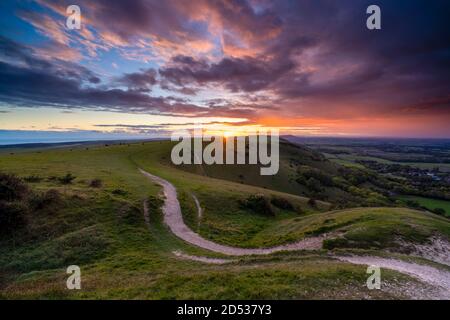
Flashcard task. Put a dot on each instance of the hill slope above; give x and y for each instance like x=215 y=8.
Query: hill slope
x=100 y=227
x=308 y=173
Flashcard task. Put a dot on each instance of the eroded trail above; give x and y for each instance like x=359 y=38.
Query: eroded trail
x=438 y=278
x=174 y=220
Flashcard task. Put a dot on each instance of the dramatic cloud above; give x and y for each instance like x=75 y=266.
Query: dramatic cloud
x=234 y=73
x=143 y=80
x=312 y=64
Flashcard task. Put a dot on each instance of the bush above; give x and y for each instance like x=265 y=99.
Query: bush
x=130 y=214
x=314 y=185
x=32 y=178
x=258 y=204
x=412 y=204
x=12 y=216
x=439 y=211
x=281 y=203
x=154 y=203
x=321 y=176
x=331 y=244
x=312 y=202
x=12 y=188
x=96 y=183
x=119 y=192
x=44 y=200
x=67 y=179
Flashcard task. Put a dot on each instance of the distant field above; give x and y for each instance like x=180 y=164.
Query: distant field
x=350 y=160
x=444 y=167
x=429 y=202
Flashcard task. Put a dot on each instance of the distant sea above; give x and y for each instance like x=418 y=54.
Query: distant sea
x=5 y=142
x=16 y=137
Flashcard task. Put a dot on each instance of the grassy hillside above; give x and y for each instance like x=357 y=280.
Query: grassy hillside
x=307 y=173
x=96 y=222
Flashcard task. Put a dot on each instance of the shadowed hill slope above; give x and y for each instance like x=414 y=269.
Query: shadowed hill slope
x=308 y=173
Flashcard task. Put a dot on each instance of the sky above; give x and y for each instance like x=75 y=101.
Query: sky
x=144 y=68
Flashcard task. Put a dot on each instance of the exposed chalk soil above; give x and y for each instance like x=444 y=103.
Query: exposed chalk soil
x=437 y=278
x=201 y=259
x=437 y=250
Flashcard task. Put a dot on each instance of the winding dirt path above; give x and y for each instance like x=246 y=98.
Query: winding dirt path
x=438 y=278
x=174 y=220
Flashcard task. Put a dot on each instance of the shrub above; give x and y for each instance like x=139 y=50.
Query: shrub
x=154 y=203
x=412 y=204
x=96 y=183
x=67 y=179
x=258 y=204
x=331 y=244
x=12 y=188
x=312 y=202
x=439 y=211
x=32 y=178
x=301 y=180
x=12 y=216
x=314 y=185
x=130 y=214
x=321 y=176
x=281 y=203
x=46 y=199
x=119 y=192
x=341 y=183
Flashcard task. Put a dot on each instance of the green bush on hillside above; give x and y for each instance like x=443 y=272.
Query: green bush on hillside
x=33 y=178
x=41 y=201
x=259 y=204
x=312 y=203
x=307 y=173
x=439 y=211
x=281 y=203
x=12 y=216
x=12 y=188
x=96 y=183
x=67 y=179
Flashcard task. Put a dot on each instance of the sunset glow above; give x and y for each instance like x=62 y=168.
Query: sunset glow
x=225 y=65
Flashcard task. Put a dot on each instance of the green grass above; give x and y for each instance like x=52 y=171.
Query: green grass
x=291 y=158
x=429 y=203
x=383 y=227
x=103 y=232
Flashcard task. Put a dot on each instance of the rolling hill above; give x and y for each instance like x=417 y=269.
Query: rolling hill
x=84 y=206
x=307 y=173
